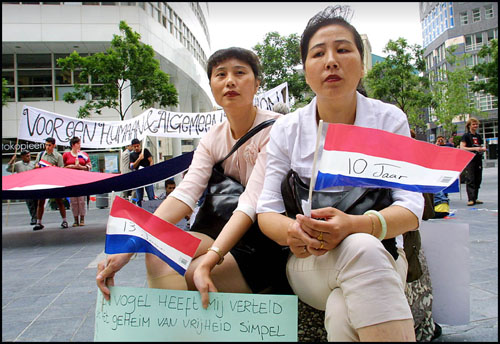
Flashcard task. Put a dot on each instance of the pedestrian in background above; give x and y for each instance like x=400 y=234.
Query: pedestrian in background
x=21 y=166
x=169 y=187
x=441 y=200
x=473 y=142
x=125 y=167
x=49 y=157
x=281 y=108
x=140 y=160
x=77 y=160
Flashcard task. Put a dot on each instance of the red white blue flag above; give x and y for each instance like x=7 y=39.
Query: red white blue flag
x=366 y=157
x=132 y=229
x=44 y=163
x=82 y=155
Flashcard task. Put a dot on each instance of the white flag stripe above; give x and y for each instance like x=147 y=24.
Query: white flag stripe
x=36 y=187
x=119 y=225
x=359 y=165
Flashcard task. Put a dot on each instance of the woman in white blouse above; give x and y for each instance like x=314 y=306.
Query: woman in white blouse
x=220 y=262
x=339 y=264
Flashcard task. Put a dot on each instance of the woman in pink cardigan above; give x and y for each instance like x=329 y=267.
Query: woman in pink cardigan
x=221 y=263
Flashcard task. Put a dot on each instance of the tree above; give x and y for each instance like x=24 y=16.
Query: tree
x=395 y=80
x=280 y=57
x=450 y=92
x=126 y=59
x=5 y=92
x=488 y=70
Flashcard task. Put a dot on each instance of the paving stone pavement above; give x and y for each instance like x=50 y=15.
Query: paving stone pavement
x=48 y=276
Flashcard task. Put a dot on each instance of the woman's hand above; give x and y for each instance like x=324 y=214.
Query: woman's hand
x=106 y=271
x=328 y=232
x=203 y=282
x=297 y=240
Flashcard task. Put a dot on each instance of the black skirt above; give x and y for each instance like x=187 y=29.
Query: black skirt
x=261 y=260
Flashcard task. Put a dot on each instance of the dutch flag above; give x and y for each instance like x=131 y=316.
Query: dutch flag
x=84 y=156
x=44 y=163
x=366 y=157
x=132 y=229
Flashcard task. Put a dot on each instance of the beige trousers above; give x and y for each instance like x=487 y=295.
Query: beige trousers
x=358 y=284
x=78 y=206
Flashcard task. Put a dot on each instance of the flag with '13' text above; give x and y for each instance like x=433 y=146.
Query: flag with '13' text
x=366 y=157
x=132 y=229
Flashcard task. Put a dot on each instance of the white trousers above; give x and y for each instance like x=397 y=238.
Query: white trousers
x=358 y=284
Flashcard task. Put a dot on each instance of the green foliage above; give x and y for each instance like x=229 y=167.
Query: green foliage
x=5 y=92
x=126 y=59
x=279 y=57
x=396 y=80
x=456 y=140
x=450 y=96
x=488 y=70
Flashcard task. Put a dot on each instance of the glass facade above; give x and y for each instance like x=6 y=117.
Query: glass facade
x=437 y=21
x=37 y=77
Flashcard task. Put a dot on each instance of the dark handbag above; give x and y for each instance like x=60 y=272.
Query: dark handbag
x=222 y=193
x=355 y=202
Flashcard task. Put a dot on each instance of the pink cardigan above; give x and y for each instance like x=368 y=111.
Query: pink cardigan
x=247 y=164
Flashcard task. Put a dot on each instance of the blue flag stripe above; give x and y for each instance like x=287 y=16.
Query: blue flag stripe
x=455 y=187
x=326 y=180
x=117 y=243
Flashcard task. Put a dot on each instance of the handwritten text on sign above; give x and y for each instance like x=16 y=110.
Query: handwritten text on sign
x=144 y=314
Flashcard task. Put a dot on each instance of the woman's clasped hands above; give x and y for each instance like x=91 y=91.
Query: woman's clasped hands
x=323 y=231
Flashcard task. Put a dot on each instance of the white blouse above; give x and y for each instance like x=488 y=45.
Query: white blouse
x=292 y=144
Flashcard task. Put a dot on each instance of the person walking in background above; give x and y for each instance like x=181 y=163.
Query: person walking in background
x=78 y=160
x=281 y=108
x=169 y=187
x=473 y=142
x=125 y=167
x=21 y=166
x=49 y=157
x=140 y=160
x=441 y=141
x=441 y=200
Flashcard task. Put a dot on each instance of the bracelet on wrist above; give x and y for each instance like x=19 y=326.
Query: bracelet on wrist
x=382 y=222
x=219 y=253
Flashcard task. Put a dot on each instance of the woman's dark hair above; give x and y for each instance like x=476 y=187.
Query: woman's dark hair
x=74 y=140
x=236 y=53
x=332 y=15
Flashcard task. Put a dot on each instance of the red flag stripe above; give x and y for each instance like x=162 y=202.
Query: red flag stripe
x=388 y=145
x=163 y=230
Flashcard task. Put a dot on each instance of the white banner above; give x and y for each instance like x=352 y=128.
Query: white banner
x=37 y=124
x=266 y=100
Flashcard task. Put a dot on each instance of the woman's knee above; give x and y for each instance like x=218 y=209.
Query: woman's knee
x=155 y=266
x=364 y=248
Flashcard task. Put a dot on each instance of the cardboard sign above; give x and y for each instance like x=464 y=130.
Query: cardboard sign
x=446 y=247
x=146 y=314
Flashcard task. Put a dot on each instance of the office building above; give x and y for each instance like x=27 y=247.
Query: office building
x=35 y=34
x=469 y=26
